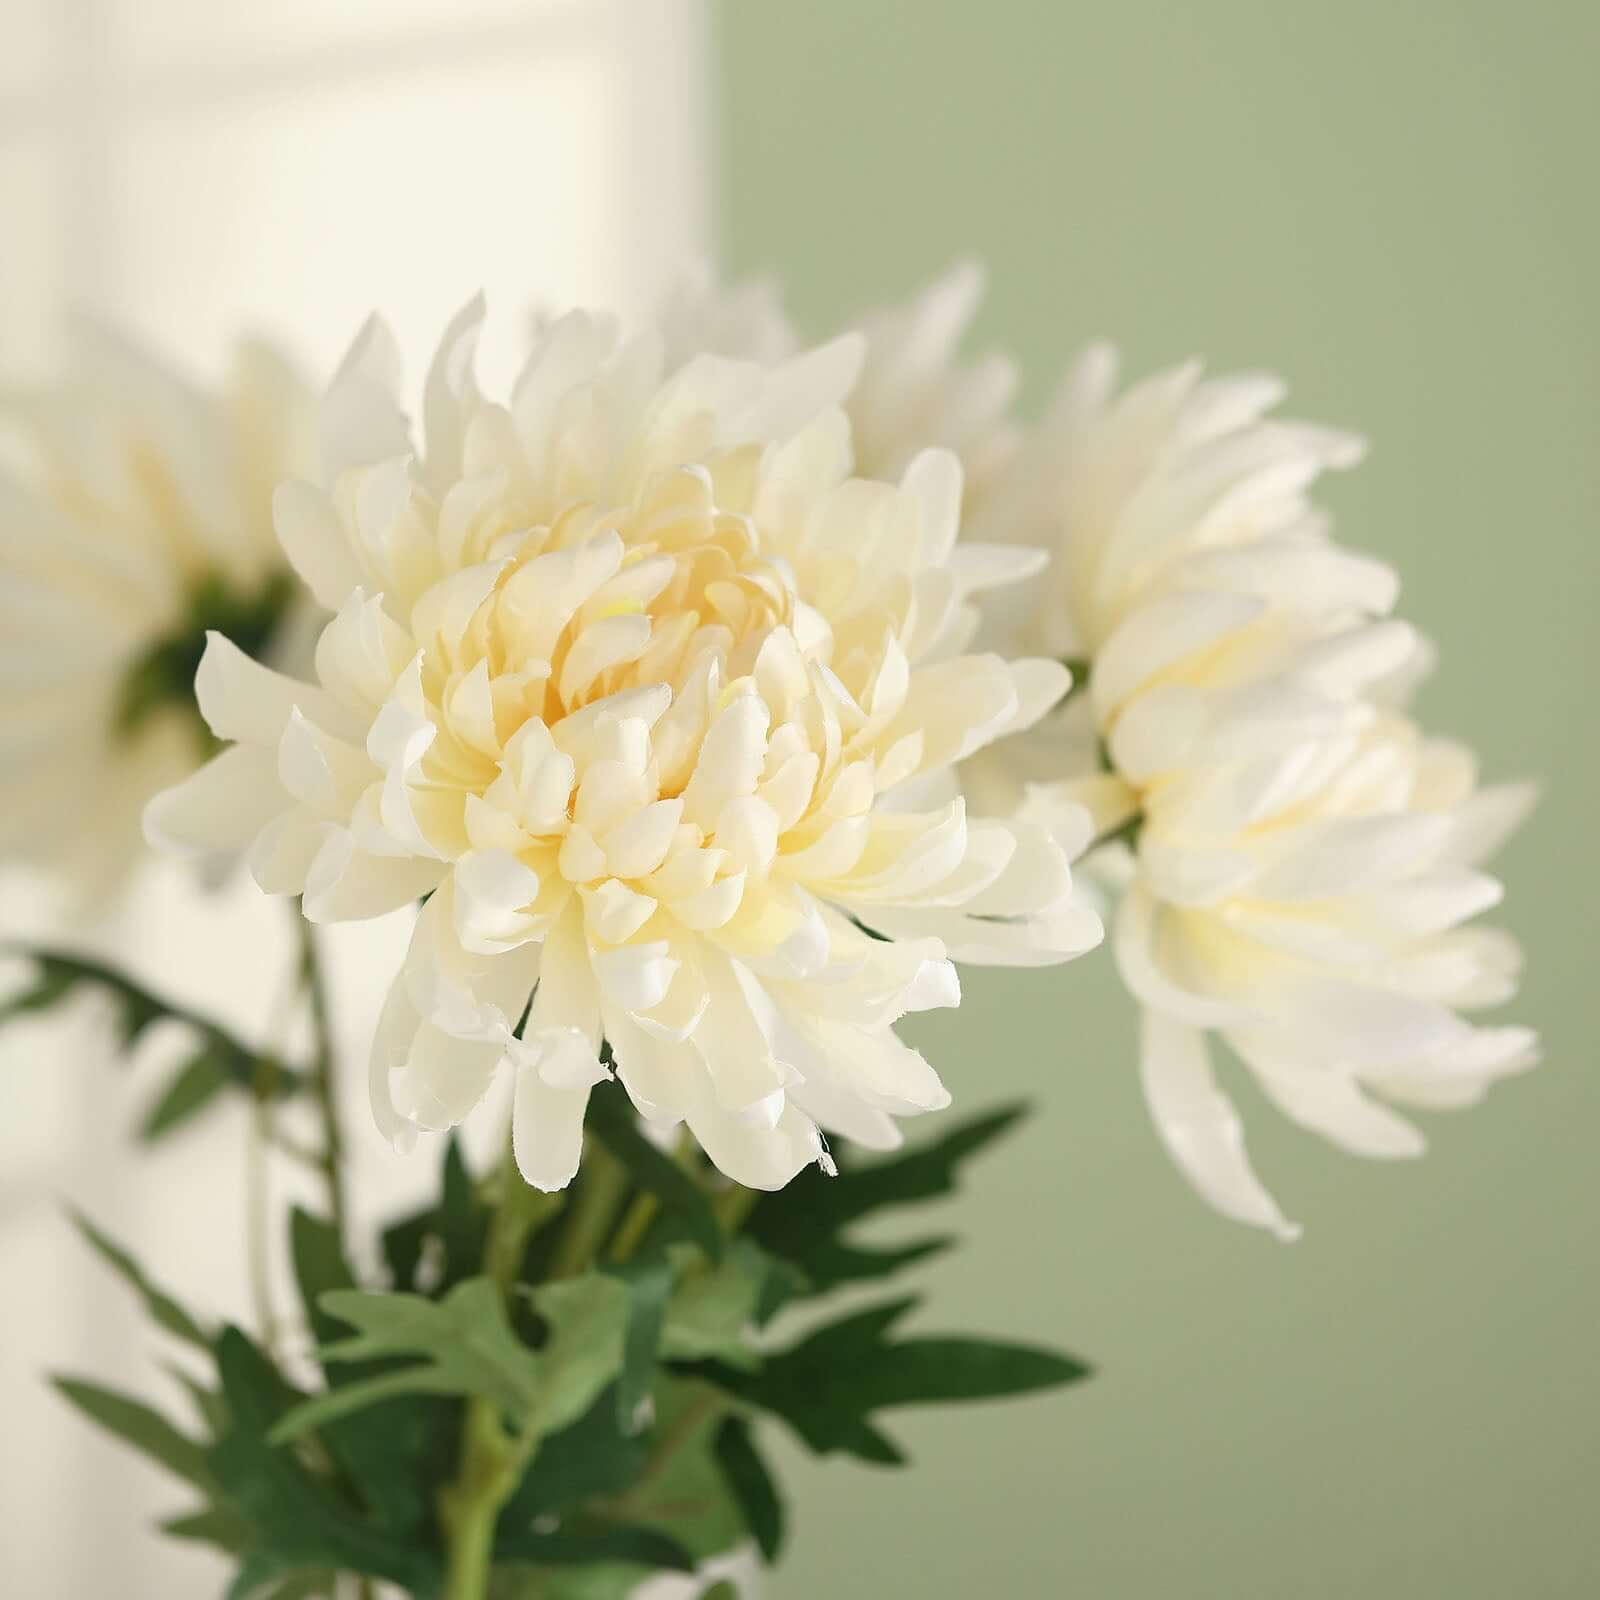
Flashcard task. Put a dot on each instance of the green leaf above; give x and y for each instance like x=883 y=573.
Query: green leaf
x=217 y=1525
x=584 y=1541
x=164 y=1311
x=802 y=1221
x=466 y=1346
x=207 y=1403
x=250 y=1582
x=594 y=1458
x=137 y=1424
x=58 y=974
x=299 y=1520
x=456 y=1225
x=682 y=1488
x=517 y=1581
x=193 y=1087
x=393 y=1457
x=752 y=1485
x=462 y=1220
x=648 y=1283
x=136 y=1008
x=711 y=1311
x=319 y=1268
x=256 y=1572
x=612 y=1119
x=587 y=1318
x=827 y=1386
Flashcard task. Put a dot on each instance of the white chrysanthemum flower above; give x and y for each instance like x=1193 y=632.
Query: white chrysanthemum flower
x=913 y=393
x=1303 y=862
x=139 y=516
x=620 y=677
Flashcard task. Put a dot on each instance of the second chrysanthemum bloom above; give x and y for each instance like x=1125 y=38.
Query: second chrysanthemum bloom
x=622 y=677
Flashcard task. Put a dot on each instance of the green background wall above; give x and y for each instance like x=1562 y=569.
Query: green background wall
x=1395 y=205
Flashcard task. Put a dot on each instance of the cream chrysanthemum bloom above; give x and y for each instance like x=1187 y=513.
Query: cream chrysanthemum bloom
x=1298 y=863
x=138 y=515
x=623 y=676
x=913 y=393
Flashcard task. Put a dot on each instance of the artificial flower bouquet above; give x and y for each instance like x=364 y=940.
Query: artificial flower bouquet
x=711 y=699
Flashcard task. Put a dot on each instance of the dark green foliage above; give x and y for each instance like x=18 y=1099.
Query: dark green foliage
x=627 y=1393
x=383 y=1452
x=449 y=1235
x=752 y=1485
x=649 y=1284
x=581 y=1541
x=803 y=1223
x=594 y=1458
x=299 y=1520
x=464 y=1345
x=829 y=1385
x=139 y=1425
x=191 y=1087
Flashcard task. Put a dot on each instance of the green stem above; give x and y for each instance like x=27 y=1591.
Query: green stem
x=635 y=1499
x=256 y=1203
x=733 y=1205
x=469 y=1508
x=324 y=1071
x=492 y=1461
x=634 y=1225
x=601 y=1186
x=521 y=1210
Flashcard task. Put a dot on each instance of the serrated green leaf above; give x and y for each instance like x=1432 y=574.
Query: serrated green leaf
x=466 y=1346
x=585 y=1541
x=828 y=1386
x=466 y=1335
x=164 y=1311
x=195 y=1084
x=752 y=1485
x=139 y=1425
x=802 y=1222
x=587 y=1318
x=612 y=1119
x=299 y=1520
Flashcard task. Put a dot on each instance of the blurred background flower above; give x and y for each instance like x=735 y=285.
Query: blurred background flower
x=139 y=518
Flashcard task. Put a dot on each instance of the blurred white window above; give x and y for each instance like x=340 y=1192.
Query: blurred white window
x=198 y=168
